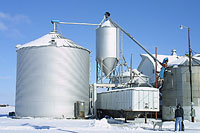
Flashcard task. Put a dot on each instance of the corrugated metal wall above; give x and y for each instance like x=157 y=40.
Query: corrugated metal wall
x=176 y=89
x=129 y=99
x=50 y=80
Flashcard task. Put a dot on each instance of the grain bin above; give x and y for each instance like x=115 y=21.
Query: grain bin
x=176 y=89
x=107 y=46
x=52 y=74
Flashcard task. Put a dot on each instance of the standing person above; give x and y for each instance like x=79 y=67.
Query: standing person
x=183 y=127
x=179 y=115
x=162 y=71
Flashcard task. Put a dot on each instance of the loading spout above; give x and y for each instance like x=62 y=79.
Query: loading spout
x=107 y=14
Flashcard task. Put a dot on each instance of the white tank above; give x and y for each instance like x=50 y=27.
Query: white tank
x=107 y=46
x=52 y=75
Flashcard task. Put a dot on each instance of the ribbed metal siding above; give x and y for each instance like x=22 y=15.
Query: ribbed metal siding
x=130 y=99
x=50 y=80
x=176 y=89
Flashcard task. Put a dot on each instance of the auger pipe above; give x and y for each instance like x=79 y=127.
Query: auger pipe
x=116 y=25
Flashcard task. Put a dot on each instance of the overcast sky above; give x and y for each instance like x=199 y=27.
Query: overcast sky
x=154 y=23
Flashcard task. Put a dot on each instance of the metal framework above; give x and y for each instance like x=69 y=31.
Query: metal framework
x=120 y=65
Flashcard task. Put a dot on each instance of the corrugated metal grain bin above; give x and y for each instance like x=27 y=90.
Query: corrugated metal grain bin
x=129 y=99
x=52 y=74
x=176 y=89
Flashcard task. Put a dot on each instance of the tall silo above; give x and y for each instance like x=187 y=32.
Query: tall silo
x=107 y=46
x=52 y=75
x=176 y=89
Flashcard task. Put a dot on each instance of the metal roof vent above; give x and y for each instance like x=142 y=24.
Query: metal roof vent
x=174 y=52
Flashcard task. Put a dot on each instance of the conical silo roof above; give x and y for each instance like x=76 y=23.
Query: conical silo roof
x=51 y=39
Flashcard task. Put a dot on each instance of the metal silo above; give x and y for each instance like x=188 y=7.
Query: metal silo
x=176 y=89
x=107 y=46
x=52 y=75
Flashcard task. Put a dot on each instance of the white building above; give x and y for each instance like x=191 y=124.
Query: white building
x=147 y=65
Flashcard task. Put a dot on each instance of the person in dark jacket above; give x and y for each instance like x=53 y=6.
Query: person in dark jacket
x=179 y=115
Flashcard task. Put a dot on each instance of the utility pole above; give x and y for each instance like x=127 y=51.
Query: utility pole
x=190 y=71
x=156 y=75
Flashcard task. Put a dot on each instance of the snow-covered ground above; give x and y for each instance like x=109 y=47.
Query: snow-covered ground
x=47 y=125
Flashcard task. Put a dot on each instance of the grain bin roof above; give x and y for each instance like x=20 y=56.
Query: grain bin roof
x=51 y=39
